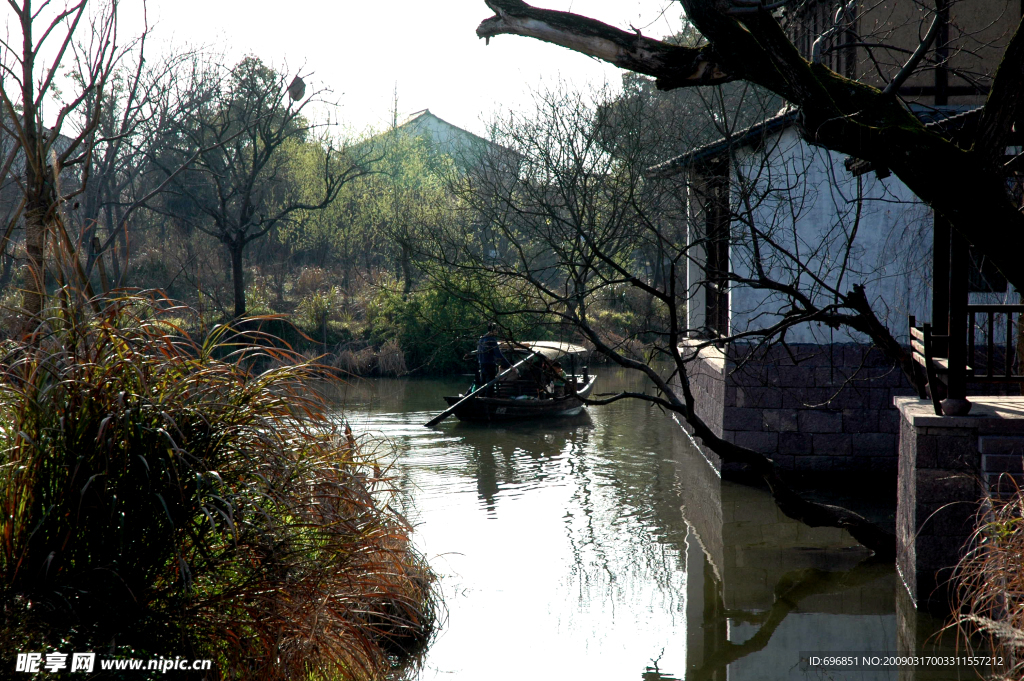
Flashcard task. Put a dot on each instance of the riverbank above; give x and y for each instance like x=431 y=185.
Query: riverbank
x=607 y=543
x=164 y=498
x=376 y=329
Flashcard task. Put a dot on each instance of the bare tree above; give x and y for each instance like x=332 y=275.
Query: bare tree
x=850 y=76
x=243 y=131
x=860 y=115
x=139 y=100
x=28 y=88
x=576 y=227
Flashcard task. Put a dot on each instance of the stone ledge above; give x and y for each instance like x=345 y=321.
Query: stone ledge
x=1001 y=413
x=691 y=349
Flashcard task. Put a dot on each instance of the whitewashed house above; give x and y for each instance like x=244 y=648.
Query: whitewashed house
x=778 y=231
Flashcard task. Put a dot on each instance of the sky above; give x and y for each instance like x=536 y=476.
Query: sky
x=426 y=51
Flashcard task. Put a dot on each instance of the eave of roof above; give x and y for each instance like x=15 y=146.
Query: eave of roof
x=953 y=126
x=754 y=133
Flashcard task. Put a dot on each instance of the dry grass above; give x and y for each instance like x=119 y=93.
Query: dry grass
x=990 y=584
x=388 y=361
x=169 y=495
x=356 y=362
x=310 y=280
x=391 y=359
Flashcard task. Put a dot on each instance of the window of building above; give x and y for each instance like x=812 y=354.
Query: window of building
x=715 y=200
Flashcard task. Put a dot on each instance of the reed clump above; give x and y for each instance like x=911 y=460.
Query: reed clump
x=391 y=359
x=990 y=584
x=165 y=495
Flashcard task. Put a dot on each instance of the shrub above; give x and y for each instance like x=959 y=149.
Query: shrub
x=176 y=503
x=990 y=583
x=259 y=298
x=391 y=359
x=438 y=324
x=356 y=362
x=310 y=280
x=316 y=309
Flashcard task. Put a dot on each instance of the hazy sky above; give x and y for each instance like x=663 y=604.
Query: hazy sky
x=363 y=50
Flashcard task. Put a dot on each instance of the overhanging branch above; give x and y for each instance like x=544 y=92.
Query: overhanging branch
x=1003 y=107
x=671 y=65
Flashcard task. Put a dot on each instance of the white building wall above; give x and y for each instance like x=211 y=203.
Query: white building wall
x=819 y=228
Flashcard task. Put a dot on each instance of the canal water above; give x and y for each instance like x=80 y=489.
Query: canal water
x=606 y=547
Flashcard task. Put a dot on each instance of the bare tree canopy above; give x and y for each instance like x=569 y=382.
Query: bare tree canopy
x=243 y=139
x=565 y=216
x=864 y=118
x=27 y=71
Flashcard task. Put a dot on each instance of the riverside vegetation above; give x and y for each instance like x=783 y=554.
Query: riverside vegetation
x=163 y=495
x=991 y=587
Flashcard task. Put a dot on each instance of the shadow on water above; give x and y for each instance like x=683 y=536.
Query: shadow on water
x=606 y=547
x=535 y=446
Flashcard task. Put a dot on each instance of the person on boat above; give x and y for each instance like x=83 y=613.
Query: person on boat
x=560 y=379
x=555 y=376
x=488 y=354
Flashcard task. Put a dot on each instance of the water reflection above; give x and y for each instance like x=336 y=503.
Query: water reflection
x=605 y=547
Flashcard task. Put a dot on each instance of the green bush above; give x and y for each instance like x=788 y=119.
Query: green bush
x=438 y=324
x=259 y=299
x=179 y=504
x=317 y=309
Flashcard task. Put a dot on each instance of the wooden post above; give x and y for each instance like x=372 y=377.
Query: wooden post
x=956 y=403
x=940 y=278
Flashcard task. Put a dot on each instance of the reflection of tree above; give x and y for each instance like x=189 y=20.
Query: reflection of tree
x=790 y=590
x=630 y=491
x=583 y=498
x=527 y=453
x=486 y=477
x=624 y=522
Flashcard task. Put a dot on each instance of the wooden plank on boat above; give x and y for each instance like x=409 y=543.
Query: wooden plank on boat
x=473 y=395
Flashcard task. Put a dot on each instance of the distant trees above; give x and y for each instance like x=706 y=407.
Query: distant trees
x=142 y=95
x=256 y=162
x=408 y=198
x=49 y=34
x=165 y=156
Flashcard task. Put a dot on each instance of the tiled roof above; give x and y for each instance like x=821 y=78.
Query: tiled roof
x=950 y=123
x=742 y=138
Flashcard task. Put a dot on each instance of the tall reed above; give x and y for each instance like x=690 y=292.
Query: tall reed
x=169 y=495
x=990 y=583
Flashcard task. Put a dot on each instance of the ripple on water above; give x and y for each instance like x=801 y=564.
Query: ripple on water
x=605 y=548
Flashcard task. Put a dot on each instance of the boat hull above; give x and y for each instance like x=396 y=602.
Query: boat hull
x=511 y=409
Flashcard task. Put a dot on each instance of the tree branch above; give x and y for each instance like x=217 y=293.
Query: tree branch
x=1003 y=107
x=671 y=65
x=908 y=69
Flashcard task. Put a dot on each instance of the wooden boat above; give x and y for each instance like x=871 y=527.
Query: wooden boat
x=535 y=389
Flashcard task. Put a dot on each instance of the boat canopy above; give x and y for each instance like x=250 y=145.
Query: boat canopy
x=551 y=350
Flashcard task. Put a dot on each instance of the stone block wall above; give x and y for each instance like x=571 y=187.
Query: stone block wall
x=947 y=466
x=1002 y=463
x=812 y=407
x=709 y=386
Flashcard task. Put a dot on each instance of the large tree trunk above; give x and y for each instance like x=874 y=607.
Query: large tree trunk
x=35 y=268
x=238 y=276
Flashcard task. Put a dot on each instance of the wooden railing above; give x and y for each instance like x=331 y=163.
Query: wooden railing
x=999 y=361
x=991 y=356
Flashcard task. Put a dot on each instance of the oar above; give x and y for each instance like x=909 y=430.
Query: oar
x=476 y=393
